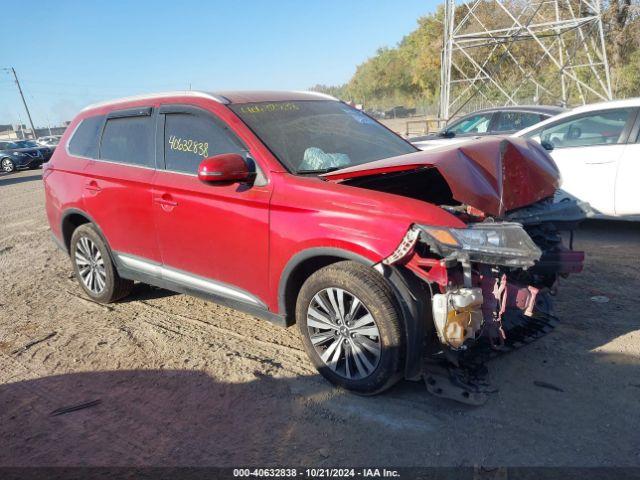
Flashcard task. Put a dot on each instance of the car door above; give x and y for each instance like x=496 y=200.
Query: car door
x=212 y=237
x=587 y=148
x=627 y=193
x=117 y=185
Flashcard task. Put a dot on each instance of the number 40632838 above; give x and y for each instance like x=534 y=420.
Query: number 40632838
x=186 y=145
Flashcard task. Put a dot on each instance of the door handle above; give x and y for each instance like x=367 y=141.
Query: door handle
x=93 y=187
x=599 y=162
x=166 y=201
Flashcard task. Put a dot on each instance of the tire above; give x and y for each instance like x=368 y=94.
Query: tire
x=370 y=319
x=94 y=268
x=7 y=165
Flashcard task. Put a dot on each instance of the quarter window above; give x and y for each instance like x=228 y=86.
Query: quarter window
x=128 y=140
x=599 y=128
x=84 y=142
x=188 y=139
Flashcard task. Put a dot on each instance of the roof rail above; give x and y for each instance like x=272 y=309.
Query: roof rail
x=148 y=96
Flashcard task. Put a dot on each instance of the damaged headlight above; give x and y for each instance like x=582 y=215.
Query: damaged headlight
x=494 y=243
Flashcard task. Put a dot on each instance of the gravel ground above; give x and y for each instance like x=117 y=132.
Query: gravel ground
x=185 y=382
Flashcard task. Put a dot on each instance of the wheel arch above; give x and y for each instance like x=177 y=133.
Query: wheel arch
x=300 y=267
x=71 y=219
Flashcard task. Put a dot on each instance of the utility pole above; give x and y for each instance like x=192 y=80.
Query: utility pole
x=447 y=52
x=13 y=70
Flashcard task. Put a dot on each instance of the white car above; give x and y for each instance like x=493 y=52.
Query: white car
x=597 y=149
x=49 y=141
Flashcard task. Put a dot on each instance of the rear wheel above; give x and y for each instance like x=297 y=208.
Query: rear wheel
x=350 y=327
x=93 y=266
x=7 y=165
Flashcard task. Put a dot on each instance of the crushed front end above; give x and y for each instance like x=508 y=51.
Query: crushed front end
x=492 y=286
x=492 y=281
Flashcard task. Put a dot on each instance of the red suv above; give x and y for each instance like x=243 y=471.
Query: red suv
x=298 y=208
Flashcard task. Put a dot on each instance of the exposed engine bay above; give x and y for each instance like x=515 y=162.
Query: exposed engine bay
x=492 y=282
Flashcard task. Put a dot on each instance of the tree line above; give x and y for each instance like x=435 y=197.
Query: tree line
x=409 y=73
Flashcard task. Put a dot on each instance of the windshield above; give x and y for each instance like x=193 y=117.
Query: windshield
x=314 y=136
x=26 y=144
x=7 y=145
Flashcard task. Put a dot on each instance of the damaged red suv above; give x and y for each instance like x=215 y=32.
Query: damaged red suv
x=298 y=208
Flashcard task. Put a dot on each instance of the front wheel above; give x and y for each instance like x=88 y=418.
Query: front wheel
x=350 y=327
x=7 y=165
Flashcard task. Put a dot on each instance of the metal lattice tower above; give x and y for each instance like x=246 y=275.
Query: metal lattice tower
x=513 y=52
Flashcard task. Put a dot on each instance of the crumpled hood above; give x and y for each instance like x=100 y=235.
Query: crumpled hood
x=492 y=174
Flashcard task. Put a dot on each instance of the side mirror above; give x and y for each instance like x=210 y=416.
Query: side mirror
x=547 y=145
x=224 y=168
x=447 y=133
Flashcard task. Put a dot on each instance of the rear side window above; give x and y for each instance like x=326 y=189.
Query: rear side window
x=84 y=142
x=514 y=121
x=128 y=140
x=188 y=139
x=595 y=128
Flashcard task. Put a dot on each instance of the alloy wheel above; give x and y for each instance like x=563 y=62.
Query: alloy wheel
x=90 y=265
x=7 y=165
x=344 y=333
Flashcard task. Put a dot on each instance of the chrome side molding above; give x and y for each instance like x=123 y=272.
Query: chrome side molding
x=185 y=279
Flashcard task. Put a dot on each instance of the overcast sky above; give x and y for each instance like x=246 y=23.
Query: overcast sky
x=72 y=53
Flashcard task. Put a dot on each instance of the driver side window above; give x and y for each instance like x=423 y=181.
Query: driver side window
x=472 y=125
x=597 y=128
x=191 y=138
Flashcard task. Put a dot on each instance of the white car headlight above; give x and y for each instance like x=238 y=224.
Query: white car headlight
x=492 y=243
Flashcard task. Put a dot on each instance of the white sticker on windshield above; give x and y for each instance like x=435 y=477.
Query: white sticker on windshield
x=357 y=115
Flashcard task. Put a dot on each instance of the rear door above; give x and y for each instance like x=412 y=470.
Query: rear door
x=627 y=189
x=587 y=149
x=212 y=237
x=117 y=188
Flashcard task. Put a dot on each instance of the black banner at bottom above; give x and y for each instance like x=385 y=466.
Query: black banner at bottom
x=424 y=473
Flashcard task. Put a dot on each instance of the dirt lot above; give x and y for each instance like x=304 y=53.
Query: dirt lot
x=185 y=382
